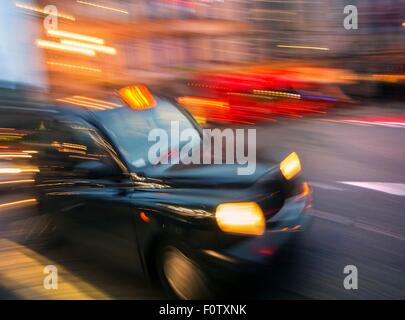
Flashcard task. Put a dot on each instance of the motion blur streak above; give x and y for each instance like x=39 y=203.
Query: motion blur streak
x=95 y=47
x=277 y=94
x=302 y=47
x=76 y=36
x=79 y=102
x=17 y=203
x=10 y=170
x=98 y=101
x=57 y=46
x=14 y=155
x=73 y=66
x=201 y=102
x=17 y=170
x=17 y=181
x=40 y=10
x=74 y=146
x=219 y=255
x=102 y=7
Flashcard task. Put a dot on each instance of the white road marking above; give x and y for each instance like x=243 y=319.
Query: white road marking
x=331 y=217
x=326 y=186
x=390 y=124
x=393 y=124
x=350 y=222
x=387 y=233
x=397 y=189
x=347 y=122
x=356 y=122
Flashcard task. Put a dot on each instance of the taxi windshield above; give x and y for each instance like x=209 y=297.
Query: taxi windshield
x=130 y=129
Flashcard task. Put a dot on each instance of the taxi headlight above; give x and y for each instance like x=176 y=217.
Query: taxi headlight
x=290 y=166
x=241 y=218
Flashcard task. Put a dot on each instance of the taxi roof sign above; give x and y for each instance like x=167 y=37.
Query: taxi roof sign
x=137 y=97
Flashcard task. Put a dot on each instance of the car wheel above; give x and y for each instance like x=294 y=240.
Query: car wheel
x=181 y=275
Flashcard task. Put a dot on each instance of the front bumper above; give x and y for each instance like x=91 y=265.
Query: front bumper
x=257 y=252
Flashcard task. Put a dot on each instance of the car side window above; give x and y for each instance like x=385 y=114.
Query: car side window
x=74 y=144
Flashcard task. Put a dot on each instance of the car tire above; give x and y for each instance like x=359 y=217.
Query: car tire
x=180 y=275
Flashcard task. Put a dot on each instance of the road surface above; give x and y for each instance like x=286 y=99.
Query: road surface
x=355 y=163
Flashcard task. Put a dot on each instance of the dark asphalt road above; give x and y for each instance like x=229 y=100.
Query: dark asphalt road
x=355 y=225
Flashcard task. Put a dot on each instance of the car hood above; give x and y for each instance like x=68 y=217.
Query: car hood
x=213 y=175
